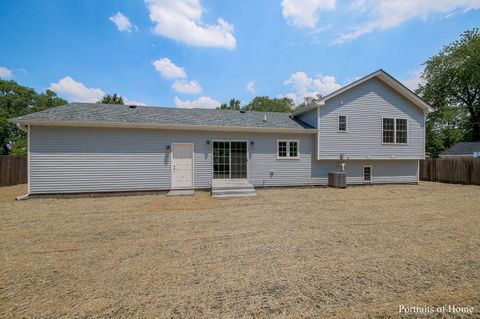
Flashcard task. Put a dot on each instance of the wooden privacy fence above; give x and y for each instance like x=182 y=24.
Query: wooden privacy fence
x=460 y=170
x=13 y=170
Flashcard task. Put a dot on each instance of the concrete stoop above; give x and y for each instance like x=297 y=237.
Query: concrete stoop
x=232 y=188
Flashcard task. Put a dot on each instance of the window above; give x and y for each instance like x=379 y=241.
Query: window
x=388 y=130
x=282 y=148
x=367 y=173
x=293 y=149
x=401 y=128
x=394 y=131
x=342 y=123
x=287 y=149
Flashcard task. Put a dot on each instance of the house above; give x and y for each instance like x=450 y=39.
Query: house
x=375 y=122
x=464 y=149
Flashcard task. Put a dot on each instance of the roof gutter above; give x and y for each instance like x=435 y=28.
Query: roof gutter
x=163 y=126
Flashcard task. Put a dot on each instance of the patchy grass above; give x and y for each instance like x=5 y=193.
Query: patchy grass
x=298 y=252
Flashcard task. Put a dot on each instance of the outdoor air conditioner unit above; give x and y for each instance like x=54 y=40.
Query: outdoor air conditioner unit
x=337 y=179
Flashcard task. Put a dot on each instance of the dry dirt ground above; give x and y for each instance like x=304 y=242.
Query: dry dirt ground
x=298 y=252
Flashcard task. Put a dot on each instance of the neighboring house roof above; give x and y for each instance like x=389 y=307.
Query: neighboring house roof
x=112 y=115
x=384 y=77
x=462 y=149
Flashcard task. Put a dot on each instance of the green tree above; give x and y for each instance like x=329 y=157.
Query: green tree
x=266 y=104
x=17 y=100
x=444 y=128
x=111 y=99
x=233 y=104
x=307 y=101
x=452 y=87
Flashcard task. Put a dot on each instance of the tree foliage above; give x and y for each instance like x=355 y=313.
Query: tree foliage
x=112 y=99
x=233 y=104
x=266 y=104
x=307 y=101
x=452 y=87
x=17 y=100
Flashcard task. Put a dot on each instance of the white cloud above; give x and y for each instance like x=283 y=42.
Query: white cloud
x=127 y=101
x=387 y=14
x=251 y=87
x=168 y=69
x=188 y=87
x=203 y=102
x=76 y=91
x=4 y=72
x=414 y=80
x=360 y=17
x=305 y=86
x=305 y=13
x=122 y=22
x=180 y=20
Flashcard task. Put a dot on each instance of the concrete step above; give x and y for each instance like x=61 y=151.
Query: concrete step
x=234 y=195
x=180 y=192
x=232 y=188
x=246 y=186
x=233 y=191
x=249 y=188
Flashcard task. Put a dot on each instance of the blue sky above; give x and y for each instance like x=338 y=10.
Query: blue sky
x=191 y=53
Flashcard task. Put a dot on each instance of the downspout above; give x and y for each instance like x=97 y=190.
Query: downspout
x=26 y=129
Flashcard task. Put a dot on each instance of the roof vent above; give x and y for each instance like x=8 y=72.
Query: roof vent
x=264 y=117
x=132 y=106
x=242 y=111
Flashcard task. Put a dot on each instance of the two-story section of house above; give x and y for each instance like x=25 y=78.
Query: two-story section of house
x=376 y=123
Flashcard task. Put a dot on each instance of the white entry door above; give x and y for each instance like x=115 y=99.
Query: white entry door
x=182 y=165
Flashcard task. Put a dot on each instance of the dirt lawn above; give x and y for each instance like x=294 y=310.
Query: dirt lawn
x=299 y=252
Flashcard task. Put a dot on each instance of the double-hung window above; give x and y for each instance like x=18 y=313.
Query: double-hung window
x=342 y=123
x=394 y=130
x=288 y=149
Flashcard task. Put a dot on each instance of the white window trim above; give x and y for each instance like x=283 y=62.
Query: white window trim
x=371 y=174
x=288 y=149
x=395 y=130
x=346 y=123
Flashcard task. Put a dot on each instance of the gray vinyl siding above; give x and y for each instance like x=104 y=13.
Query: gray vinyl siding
x=383 y=171
x=309 y=117
x=76 y=160
x=365 y=105
x=70 y=159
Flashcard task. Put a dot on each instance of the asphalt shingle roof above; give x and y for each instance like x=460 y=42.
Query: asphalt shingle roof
x=111 y=113
x=464 y=148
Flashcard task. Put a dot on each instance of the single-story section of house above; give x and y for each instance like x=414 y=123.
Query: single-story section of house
x=375 y=123
x=463 y=149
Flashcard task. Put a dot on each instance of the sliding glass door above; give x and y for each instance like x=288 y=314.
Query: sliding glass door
x=229 y=159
